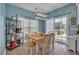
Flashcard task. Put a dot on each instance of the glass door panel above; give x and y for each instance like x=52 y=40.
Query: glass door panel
x=60 y=29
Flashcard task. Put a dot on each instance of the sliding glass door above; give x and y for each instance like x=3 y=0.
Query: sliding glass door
x=60 y=29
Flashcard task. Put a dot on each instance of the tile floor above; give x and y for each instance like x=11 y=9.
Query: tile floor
x=59 y=49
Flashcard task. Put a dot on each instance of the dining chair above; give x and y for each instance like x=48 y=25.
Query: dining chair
x=31 y=45
x=52 y=41
x=39 y=43
x=48 y=43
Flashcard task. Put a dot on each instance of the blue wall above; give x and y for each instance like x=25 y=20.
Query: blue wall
x=12 y=11
x=70 y=10
x=2 y=28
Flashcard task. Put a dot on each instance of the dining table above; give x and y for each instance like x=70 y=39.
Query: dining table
x=39 y=38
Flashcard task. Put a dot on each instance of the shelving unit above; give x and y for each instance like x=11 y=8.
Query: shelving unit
x=14 y=33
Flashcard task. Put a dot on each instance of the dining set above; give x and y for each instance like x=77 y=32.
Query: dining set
x=39 y=42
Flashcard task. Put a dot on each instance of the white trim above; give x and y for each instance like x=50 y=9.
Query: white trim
x=5 y=52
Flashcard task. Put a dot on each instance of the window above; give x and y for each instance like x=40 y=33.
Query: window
x=29 y=26
x=33 y=26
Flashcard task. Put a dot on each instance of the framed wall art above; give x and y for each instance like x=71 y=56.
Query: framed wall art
x=73 y=21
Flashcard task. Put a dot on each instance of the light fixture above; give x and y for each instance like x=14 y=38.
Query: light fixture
x=40 y=15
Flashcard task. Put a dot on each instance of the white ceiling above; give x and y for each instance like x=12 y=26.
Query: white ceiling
x=44 y=7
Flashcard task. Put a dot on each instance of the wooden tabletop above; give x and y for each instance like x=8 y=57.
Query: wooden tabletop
x=37 y=37
x=40 y=36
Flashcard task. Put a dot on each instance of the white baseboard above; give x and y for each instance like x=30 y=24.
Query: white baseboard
x=5 y=52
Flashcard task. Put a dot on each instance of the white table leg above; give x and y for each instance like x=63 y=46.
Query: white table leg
x=31 y=51
x=43 y=51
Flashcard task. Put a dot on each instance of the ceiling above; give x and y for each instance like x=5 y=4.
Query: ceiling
x=43 y=7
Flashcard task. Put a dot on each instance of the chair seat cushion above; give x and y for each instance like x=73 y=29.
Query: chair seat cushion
x=31 y=44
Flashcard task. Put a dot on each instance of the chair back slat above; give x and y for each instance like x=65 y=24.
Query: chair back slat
x=49 y=38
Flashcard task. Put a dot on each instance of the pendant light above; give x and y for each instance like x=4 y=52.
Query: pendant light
x=39 y=14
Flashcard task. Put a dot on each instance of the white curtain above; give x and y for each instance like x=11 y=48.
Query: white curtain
x=50 y=25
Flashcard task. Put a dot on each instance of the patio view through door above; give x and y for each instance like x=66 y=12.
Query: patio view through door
x=60 y=29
